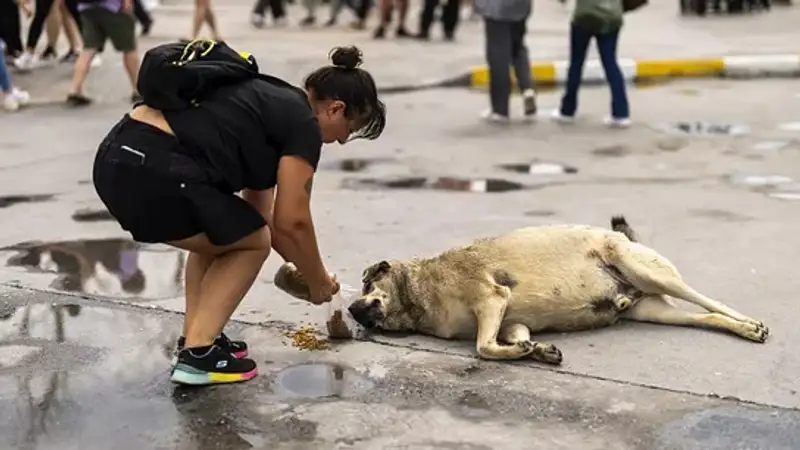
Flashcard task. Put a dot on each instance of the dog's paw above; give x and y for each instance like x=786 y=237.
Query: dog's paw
x=622 y=303
x=547 y=353
x=756 y=332
x=526 y=348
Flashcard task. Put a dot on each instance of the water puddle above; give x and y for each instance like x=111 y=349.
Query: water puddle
x=539 y=168
x=320 y=380
x=107 y=267
x=700 y=128
x=11 y=200
x=480 y=185
x=612 y=151
x=355 y=164
x=92 y=215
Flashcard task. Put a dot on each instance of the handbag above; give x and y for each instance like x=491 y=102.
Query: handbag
x=632 y=5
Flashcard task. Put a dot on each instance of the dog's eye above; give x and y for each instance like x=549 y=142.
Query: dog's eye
x=366 y=288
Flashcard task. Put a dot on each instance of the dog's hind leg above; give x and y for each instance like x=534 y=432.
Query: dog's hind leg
x=657 y=309
x=652 y=273
x=517 y=333
x=489 y=313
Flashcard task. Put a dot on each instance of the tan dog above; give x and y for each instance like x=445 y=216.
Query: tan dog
x=557 y=278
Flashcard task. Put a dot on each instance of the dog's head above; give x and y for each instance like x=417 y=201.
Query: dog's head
x=384 y=302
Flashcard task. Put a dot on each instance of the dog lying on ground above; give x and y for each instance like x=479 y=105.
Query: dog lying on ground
x=500 y=290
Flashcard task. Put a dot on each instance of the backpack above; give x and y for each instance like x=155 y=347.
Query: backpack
x=598 y=16
x=178 y=75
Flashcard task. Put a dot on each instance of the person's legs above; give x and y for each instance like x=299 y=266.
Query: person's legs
x=385 y=12
x=278 y=9
x=43 y=8
x=200 y=13
x=211 y=20
x=451 y=13
x=93 y=39
x=607 y=47
x=522 y=66
x=53 y=30
x=11 y=33
x=498 y=57
x=402 y=13
x=71 y=30
x=426 y=18
x=5 y=76
x=311 y=12
x=143 y=16
x=121 y=30
x=578 y=46
x=12 y=97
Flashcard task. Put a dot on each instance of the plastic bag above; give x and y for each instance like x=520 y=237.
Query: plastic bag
x=341 y=324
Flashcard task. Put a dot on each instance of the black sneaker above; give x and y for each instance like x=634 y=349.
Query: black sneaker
x=136 y=98
x=237 y=349
x=49 y=54
x=379 y=33
x=70 y=57
x=211 y=365
x=77 y=100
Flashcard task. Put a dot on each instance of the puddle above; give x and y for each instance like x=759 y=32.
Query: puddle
x=700 y=128
x=109 y=267
x=11 y=200
x=539 y=168
x=355 y=164
x=482 y=185
x=612 y=151
x=92 y=215
x=320 y=380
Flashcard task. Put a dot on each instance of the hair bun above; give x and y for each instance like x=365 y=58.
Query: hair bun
x=346 y=57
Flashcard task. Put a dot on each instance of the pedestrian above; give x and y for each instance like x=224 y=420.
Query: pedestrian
x=10 y=31
x=63 y=15
x=276 y=7
x=13 y=97
x=143 y=17
x=601 y=20
x=173 y=176
x=386 y=11
x=311 y=13
x=102 y=20
x=203 y=13
x=505 y=28
x=451 y=12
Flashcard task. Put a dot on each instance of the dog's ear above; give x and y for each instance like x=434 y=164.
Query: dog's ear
x=374 y=271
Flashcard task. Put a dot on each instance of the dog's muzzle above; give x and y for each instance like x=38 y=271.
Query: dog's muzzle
x=367 y=314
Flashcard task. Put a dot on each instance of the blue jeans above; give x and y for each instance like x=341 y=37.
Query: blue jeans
x=607 y=47
x=5 y=77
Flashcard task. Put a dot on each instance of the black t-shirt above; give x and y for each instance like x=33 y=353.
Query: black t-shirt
x=240 y=132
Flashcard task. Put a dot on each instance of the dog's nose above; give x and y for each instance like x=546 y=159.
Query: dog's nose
x=361 y=312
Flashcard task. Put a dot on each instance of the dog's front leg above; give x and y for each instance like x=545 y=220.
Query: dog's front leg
x=490 y=313
x=516 y=333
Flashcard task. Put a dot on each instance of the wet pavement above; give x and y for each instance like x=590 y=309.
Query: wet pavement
x=722 y=206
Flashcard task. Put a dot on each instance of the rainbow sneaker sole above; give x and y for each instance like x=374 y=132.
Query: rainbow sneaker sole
x=188 y=375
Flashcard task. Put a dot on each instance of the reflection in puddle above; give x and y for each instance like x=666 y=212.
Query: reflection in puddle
x=442 y=183
x=92 y=215
x=110 y=267
x=539 y=168
x=11 y=200
x=706 y=128
x=320 y=380
x=354 y=164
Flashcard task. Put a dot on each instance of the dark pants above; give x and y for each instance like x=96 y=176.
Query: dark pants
x=43 y=8
x=363 y=9
x=505 y=46
x=276 y=6
x=10 y=30
x=607 y=47
x=449 y=16
x=141 y=14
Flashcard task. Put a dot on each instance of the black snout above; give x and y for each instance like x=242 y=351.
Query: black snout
x=365 y=313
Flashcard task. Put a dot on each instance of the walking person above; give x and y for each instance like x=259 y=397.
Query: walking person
x=13 y=97
x=28 y=60
x=203 y=13
x=260 y=8
x=504 y=25
x=107 y=20
x=451 y=13
x=173 y=176
x=386 y=11
x=143 y=17
x=601 y=20
x=10 y=30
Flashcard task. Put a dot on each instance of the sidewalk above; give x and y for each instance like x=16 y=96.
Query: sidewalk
x=657 y=32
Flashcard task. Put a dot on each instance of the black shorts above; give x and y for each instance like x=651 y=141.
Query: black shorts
x=159 y=193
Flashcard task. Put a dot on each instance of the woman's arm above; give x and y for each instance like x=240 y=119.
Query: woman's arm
x=264 y=202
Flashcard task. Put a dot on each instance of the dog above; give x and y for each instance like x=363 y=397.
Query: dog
x=500 y=290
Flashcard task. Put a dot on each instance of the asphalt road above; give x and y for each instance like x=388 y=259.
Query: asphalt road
x=721 y=206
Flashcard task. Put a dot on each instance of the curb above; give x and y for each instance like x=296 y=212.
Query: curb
x=755 y=66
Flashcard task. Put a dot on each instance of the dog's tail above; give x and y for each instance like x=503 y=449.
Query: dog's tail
x=620 y=225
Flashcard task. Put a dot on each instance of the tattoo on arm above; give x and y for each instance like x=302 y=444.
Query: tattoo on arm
x=309 y=185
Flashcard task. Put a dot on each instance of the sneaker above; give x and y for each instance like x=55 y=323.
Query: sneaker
x=69 y=57
x=492 y=117
x=617 y=122
x=257 y=20
x=97 y=61
x=561 y=118
x=280 y=22
x=48 y=55
x=77 y=100
x=26 y=62
x=211 y=365
x=529 y=102
x=136 y=98
x=237 y=349
x=15 y=99
x=146 y=27
x=308 y=21
x=402 y=32
x=379 y=33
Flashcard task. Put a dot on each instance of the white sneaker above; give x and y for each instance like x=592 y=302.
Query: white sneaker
x=529 y=103
x=97 y=61
x=257 y=20
x=612 y=122
x=493 y=117
x=560 y=118
x=13 y=100
x=25 y=62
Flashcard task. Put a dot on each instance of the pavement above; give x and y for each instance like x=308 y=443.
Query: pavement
x=656 y=41
x=707 y=175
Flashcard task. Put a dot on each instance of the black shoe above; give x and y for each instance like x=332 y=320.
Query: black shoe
x=69 y=57
x=146 y=27
x=380 y=33
x=402 y=33
x=136 y=98
x=211 y=365
x=237 y=349
x=48 y=54
x=77 y=100
x=308 y=21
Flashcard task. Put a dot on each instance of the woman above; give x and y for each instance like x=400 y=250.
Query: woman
x=386 y=10
x=204 y=14
x=601 y=20
x=12 y=96
x=172 y=178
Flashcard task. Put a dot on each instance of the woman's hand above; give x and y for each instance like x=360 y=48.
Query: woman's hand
x=324 y=293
